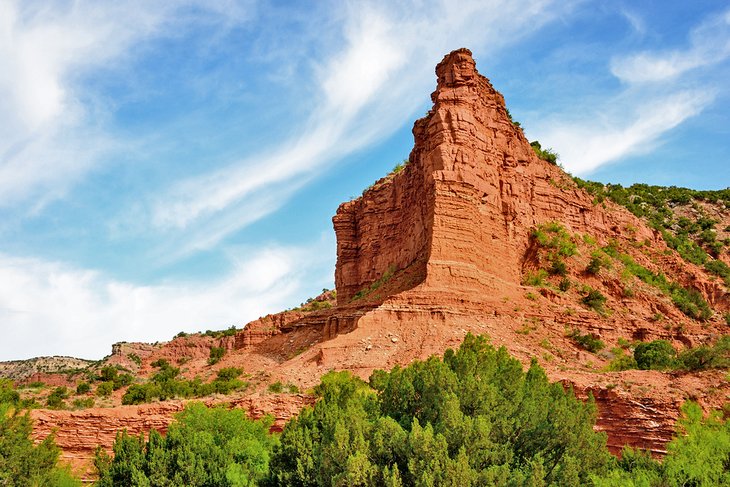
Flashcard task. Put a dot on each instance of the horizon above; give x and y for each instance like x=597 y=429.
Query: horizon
x=175 y=168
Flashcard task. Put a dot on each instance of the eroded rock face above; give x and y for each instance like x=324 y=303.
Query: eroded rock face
x=464 y=206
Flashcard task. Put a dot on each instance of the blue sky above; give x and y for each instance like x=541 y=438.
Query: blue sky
x=174 y=165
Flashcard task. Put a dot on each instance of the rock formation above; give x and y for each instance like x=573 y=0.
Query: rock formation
x=461 y=211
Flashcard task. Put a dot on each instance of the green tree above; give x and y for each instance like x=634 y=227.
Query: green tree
x=657 y=354
x=473 y=418
x=700 y=454
x=21 y=462
x=203 y=447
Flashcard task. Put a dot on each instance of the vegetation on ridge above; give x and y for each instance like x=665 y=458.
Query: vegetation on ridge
x=695 y=240
x=165 y=384
x=661 y=355
x=473 y=417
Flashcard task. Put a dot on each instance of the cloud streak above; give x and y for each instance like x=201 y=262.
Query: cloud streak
x=709 y=44
x=585 y=145
x=52 y=134
x=659 y=94
x=363 y=92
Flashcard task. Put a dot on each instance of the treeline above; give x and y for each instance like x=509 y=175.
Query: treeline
x=471 y=418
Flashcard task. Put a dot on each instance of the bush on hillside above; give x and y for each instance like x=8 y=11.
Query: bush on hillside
x=658 y=354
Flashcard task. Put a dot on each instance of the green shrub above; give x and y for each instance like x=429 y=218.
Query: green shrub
x=229 y=373
x=716 y=356
x=141 y=393
x=594 y=300
x=399 y=167
x=622 y=361
x=83 y=388
x=658 y=354
x=228 y=332
x=558 y=267
x=564 y=284
x=105 y=389
x=87 y=402
x=55 y=399
x=8 y=394
x=135 y=358
x=588 y=341
x=554 y=236
x=548 y=155
x=276 y=388
x=122 y=380
x=536 y=278
x=108 y=373
x=598 y=261
x=691 y=303
x=216 y=354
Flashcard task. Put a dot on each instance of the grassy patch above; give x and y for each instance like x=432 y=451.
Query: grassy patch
x=688 y=301
x=588 y=341
x=387 y=276
x=548 y=155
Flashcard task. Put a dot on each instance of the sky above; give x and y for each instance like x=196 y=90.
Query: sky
x=172 y=166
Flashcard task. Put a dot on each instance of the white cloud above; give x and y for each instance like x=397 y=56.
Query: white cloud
x=51 y=138
x=655 y=100
x=709 y=44
x=365 y=90
x=586 y=144
x=48 y=308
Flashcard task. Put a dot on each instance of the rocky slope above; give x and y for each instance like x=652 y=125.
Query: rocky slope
x=475 y=234
x=42 y=369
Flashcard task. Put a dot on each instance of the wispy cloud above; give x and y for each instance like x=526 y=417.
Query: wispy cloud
x=659 y=94
x=635 y=20
x=629 y=128
x=48 y=308
x=709 y=44
x=364 y=91
x=52 y=134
